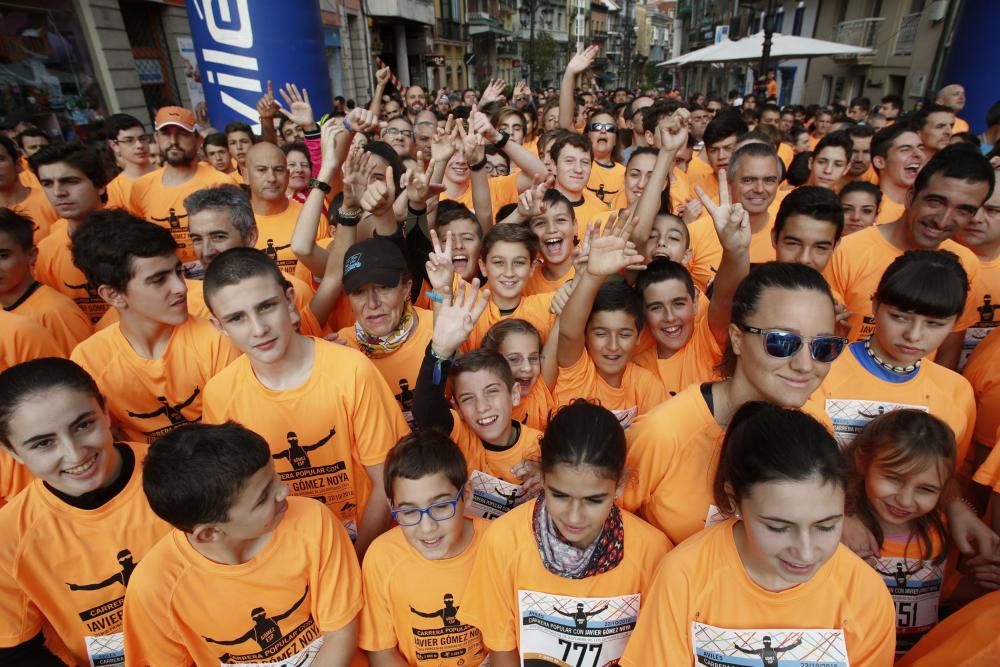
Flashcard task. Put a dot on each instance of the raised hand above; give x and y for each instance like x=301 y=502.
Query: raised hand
x=456 y=317
x=267 y=108
x=582 y=60
x=416 y=181
x=690 y=210
x=382 y=76
x=531 y=202
x=732 y=223
x=364 y=121
x=493 y=91
x=380 y=194
x=440 y=270
x=299 y=111
x=357 y=168
x=674 y=133
x=328 y=146
x=473 y=145
x=444 y=142
x=611 y=251
x=480 y=124
x=561 y=296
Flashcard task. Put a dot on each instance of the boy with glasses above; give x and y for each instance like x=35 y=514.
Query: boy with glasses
x=129 y=143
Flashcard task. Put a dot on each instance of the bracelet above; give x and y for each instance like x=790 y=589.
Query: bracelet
x=479 y=165
x=439 y=362
x=434 y=296
x=504 y=138
x=320 y=185
x=967 y=503
x=349 y=218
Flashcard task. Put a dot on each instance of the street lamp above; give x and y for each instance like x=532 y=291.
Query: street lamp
x=526 y=12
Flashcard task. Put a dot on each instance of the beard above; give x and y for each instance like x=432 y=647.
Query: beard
x=175 y=160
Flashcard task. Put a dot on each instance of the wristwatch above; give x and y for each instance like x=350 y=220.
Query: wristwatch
x=320 y=185
x=504 y=138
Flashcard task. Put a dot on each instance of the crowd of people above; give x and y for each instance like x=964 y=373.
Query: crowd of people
x=503 y=377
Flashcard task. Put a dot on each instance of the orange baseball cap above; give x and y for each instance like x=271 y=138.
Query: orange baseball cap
x=178 y=116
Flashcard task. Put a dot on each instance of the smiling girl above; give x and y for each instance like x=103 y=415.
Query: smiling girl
x=562 y=577
x=771 y=580
x=72 y=538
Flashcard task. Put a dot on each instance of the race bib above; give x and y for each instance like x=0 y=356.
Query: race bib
x=492 y=497
x=723 y=647
x=915 y=586
x=850 y=415
x=106 y=650
x=575 y=632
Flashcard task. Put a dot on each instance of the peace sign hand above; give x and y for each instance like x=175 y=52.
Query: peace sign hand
x=267 y=108
x=531 y=202
x=473 y=145
x=732 y=223
x=440 y=270
x=416 y=181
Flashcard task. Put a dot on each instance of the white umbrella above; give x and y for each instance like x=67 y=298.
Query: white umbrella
x=752 y=47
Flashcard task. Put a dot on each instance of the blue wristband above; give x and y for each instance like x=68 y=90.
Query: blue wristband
x=434 y=296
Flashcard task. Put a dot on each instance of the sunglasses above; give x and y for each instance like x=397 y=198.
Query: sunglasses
x=602 y=127
x=783 y=344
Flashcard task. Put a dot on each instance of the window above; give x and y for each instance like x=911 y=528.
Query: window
x=800 y=11
x=779 y=19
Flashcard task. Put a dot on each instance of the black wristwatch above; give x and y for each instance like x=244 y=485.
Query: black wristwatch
x=504 y=138
x=479 y=165
x=320 y=185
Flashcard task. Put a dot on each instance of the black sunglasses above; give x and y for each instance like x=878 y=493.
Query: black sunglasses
x=597 y=127
x=783 y=344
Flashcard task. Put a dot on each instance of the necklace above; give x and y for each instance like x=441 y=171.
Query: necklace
x=899 y=370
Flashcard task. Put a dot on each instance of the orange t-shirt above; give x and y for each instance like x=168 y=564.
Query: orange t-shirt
x=322 y=433
x=54 y=267
x=60 y=316
x=26 y=176
x=702 y=607
x=37 y=207
x=273 y=608
x=606 y=182
x=533 y=309
x=692 y=364
x=494 y=461
x=706 y=250
x=681 y=192
x=274 y=236
x=889 y=210
x=405 y=607
x=539 y=284
x=503 y=191
x=959 y=126
x=983 y=373
x=639 y=393
x=535 y=408
x=149 y=398
x=587 y=210
x=989 y=472
x=701 y=174
x=987 y=305
x=857 y=266
x=400 y=369
x=854 y=395
x=870 y=176
x=14 y=476
x=67 y=568
x=23 y=339
x=967 y=638
x=516 y=602
x=120 y=191
x=155 y=202
x=786 y=153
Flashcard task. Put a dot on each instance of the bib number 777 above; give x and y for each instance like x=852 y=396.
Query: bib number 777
x=580 y=651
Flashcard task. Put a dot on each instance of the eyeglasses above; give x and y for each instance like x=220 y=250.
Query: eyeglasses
x=602 y=127
x=128 y=141
x=515 y=360
x=497 y=169
x=783 y=344
x=442 y=511
x=393 y=131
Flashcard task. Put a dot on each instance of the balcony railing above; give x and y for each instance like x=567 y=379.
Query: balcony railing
x=860 y=32
x=449 y=30
x=906 y=38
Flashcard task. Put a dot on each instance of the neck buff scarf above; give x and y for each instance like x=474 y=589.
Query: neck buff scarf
x=566 y=560
x=381 y=346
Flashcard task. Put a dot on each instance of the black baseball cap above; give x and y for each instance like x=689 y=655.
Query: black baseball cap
x=375 y=261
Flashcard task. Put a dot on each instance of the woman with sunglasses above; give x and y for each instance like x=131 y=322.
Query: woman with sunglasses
x=607 y=175
x=781 y=345
x=560 y=579
x=770 y=584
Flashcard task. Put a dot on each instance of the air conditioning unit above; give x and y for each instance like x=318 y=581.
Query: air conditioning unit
x=937 y=11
